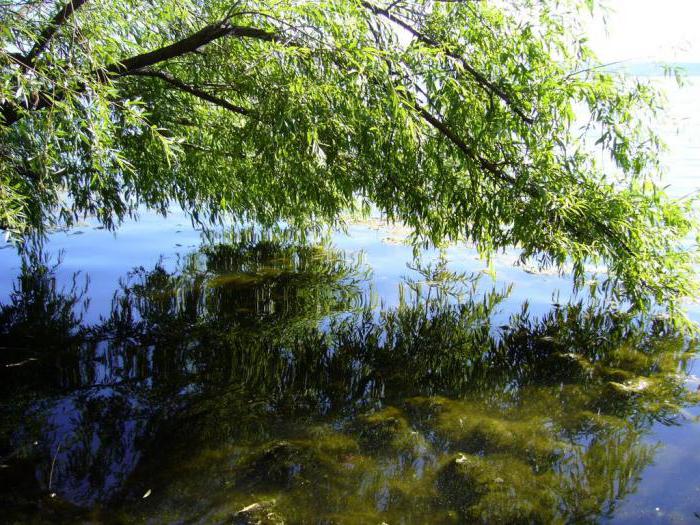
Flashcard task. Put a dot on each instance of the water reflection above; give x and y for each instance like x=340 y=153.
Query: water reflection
x=261 y=381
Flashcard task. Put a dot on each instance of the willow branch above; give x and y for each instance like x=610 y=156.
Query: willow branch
x=50 y=30
x=191 y=44
x=11 y=111
x=447 y=132
x=192 y=90
x=495 y=171
x=479 y=77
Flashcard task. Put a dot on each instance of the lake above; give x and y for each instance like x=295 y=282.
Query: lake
x=167 y=375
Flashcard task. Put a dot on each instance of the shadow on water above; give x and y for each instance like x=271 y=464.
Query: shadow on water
x=261 y=382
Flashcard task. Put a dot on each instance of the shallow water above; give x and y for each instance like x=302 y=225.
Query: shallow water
x=162 y=376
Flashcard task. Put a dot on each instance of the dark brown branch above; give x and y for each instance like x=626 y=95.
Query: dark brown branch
x=447 y=132
x=192 y=90
x=50 y=30
x=9 y=110
x=477 y=75
x=191 y=44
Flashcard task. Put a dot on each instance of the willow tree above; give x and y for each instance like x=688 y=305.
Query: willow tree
x=475 y=120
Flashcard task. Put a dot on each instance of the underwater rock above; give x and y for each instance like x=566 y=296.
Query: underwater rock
x=648 y=388
x=633 y=386
x=630 y=359
x=497 y=489
x=610 y=373
x=284 y=465
x=587 y=421
x=572 y=364
x=333 y=443
x=259 y=513
x=425 y=407
x=382 y=429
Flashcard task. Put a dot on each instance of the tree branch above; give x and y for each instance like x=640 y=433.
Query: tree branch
x=497 y=172
x=11 y=111
x=445 y=130
x=50 y=30
x=192 y=90
x=190 y=44
x=477 y=75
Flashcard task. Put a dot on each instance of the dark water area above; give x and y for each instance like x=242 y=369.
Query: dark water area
x=249 y=378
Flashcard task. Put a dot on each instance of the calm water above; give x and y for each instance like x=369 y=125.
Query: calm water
x=162 y=375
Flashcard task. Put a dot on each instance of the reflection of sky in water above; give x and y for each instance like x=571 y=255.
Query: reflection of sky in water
x=106 y=459
x=673 y=481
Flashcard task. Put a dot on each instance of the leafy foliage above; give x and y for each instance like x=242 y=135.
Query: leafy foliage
x=477 y=121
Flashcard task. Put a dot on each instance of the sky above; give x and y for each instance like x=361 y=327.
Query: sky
x=649 y=30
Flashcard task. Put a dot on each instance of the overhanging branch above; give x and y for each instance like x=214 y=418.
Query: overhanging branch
x=495 y=171
x=191 y=44
x=479 y=77
x=447 y=132
x=192 y=90
x=49 y=31
x=12 y=111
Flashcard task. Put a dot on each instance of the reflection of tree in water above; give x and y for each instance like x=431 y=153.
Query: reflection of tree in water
x=41 y=315
x=260 y=370
x=92 y=395
x=195 y=322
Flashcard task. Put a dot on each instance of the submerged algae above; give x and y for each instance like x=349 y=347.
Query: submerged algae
x=497 y=489
x=474 y=428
